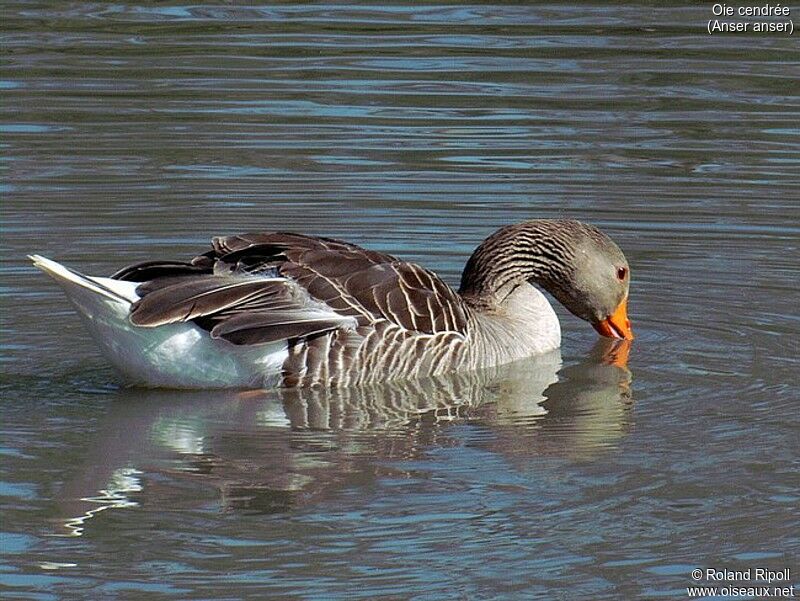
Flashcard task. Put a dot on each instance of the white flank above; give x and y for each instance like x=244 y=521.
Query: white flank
x=179 y=355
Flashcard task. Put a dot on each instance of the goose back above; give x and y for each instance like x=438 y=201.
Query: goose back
x=347 y=315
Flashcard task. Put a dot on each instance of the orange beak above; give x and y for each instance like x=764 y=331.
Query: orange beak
x=617 y=325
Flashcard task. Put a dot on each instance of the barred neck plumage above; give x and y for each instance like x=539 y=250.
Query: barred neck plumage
x=540 y=252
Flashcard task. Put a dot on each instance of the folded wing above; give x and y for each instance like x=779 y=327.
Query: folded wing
x=263 y=287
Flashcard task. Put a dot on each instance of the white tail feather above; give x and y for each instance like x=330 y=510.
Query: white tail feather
x=116 y=290
x=179 y=355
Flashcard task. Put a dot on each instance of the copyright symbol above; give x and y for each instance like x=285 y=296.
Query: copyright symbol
x=697 y=574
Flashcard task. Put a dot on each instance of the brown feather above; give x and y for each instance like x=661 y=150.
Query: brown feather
x=149 y=270
x=263 y=327
x=236 y=292
x=200 y=297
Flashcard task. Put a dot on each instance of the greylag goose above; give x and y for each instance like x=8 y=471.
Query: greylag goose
x=263 y=310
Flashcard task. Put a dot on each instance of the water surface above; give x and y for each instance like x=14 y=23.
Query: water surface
x=133 y=131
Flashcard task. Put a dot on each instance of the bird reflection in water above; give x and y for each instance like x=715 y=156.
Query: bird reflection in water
x=275 y=450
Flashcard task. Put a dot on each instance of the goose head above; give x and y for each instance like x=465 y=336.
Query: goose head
x=592 y=282
x=575 y=262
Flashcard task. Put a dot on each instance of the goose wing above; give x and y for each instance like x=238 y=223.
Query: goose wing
x=262 y=287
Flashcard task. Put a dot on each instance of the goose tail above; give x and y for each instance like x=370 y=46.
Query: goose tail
x=178 y=355
x=75 y=283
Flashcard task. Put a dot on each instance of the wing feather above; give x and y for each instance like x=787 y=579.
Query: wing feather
x=188 y=300
x=262 y=327
x=150 y=270
x=262 y=287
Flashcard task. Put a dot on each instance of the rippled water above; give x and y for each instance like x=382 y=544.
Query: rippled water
x=130 y=131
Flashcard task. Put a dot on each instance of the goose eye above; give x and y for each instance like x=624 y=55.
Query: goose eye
x=622 y=272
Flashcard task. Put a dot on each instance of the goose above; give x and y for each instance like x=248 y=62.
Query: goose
x=266 y=310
